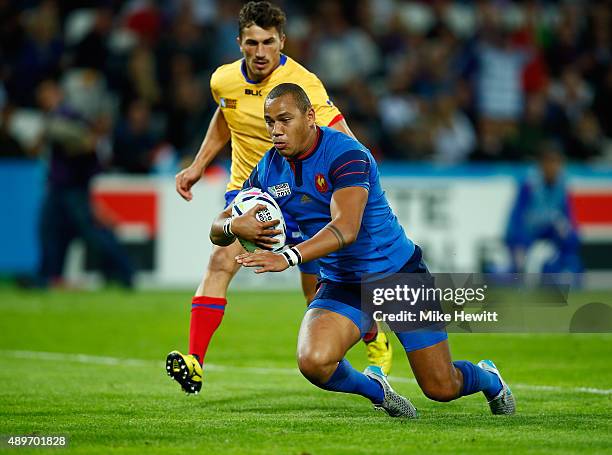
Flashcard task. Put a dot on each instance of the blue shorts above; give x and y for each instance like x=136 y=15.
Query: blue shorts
x=294 y=236
x=345 y=299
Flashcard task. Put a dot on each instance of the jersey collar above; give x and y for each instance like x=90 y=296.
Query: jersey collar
x=245 y=74
x=308 y=153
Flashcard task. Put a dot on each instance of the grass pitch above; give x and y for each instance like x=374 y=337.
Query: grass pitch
x=91 y=366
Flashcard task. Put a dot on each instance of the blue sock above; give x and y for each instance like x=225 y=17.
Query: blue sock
x=348 y=380
x=475 y=379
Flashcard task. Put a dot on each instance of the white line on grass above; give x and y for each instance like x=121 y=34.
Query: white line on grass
x=102 y=360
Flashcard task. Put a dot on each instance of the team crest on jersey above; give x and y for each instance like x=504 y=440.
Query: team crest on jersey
x=228 y=103
x=321 y=183
x=280 y=190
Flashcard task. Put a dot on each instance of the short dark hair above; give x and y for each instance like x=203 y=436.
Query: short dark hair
x=298 y=93
x=263 y=14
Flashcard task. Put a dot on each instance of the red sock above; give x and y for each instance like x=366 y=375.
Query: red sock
x=371 y=334
x=206 y=315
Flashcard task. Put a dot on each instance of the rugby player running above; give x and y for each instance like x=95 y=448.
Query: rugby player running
x=239 y=89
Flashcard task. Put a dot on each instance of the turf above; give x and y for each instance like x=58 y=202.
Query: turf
x=253 y=400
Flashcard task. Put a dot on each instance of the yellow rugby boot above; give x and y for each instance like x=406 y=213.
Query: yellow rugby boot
x=186 y=370
x=380 y=352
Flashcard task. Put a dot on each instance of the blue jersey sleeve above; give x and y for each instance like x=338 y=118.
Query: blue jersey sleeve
x=352 y=168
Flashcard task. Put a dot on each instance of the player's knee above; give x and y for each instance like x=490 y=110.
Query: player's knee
x=221 y=262
x=441 y=389
x=316 y=365
x=440 y=392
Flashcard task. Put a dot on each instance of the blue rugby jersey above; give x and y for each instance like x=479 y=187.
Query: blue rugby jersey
x=303 y=187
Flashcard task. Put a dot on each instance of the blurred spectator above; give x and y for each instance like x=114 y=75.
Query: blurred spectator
x=202 y=12
x=86 y=92
x=586 y=142
x=143 y=18
x=225 y=49
x=66 y=212
x=565 y=49
x=571 y=93
x=41 y=54
x=542 y=212
x=341 y=53
x=598 y=38
x=189 y=114
x=499 y=85
x=540 y=121
x=362 y=103
x=134 y=141
x=453 y=137
x=500 y=67
x=11 y=31
x=534 y=34
x=519 y=72
x=436 y=74
x=399 y=110
x=9 y=146
x=141 y=79
x=180 y=69
x=92 y=51
x=187 y=39
x=602 y=106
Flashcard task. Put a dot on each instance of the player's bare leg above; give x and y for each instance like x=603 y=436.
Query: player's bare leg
x=207 y=309
x=441 y=379
x=323 y=340
x=220 y=271
x=208 y=304
x=378 y=348
x=435 y=373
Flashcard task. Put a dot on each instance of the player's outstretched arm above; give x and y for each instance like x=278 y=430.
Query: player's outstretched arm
x=347 y=206
x=217 y=135
x=225 y=229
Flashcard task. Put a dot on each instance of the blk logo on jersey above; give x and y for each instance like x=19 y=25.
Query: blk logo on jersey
x=280 y=190
x=248 y=91
x=228 y=103
x=321 y=183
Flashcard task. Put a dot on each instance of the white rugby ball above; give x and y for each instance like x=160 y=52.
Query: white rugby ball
x=245 y=200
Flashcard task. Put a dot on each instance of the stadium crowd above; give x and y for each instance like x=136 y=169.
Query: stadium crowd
x=444 y=81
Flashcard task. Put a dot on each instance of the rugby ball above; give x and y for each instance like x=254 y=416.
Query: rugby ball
x=245 y=200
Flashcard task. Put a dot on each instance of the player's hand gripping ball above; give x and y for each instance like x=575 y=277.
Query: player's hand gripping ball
x=247 y=199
